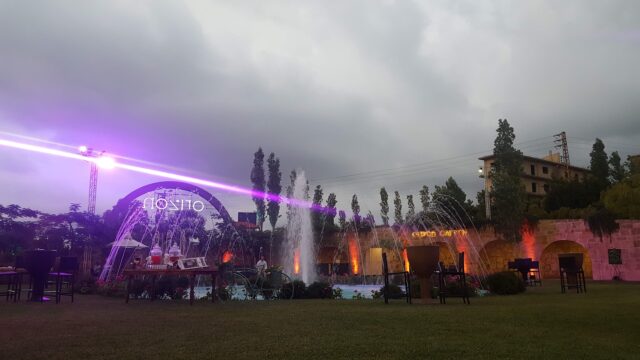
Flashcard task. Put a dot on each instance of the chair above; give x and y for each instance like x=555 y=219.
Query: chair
x=534 y=274
x=13 y=280
x=64 y=277
x=455 y=271
x=21 y=269
x=572 y=273
x=405 y=277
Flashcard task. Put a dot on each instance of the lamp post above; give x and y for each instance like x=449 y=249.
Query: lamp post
x=487 y=198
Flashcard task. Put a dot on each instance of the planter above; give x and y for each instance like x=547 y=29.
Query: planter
x=423 y=261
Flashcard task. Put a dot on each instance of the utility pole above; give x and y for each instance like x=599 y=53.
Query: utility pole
x=561 y=143
x=484 y=174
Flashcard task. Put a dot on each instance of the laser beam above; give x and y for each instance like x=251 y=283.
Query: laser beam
x=163 y=174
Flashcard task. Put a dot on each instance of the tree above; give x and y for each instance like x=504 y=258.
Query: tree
x=480 y=214
x=508 y=193
x=617 y=171
x=274 y=188
x=623 y=198
x=450 y=194
x=331 y=209
x=342 y=218
x=292 y=181
x=258 y=180
x=17 y=229
x=411 y=208
x=355 y=207
x=384 y=206
x=424 y=198
x=602 y=222
x=316 y=215
x=599 y=164
x=317 y=195
x=397 y=203
x=572 y=194
x=453 y=199
x=306 y=190
x=633 y=165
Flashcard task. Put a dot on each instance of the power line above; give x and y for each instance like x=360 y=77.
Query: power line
x=419 y=165
x=617 y=143
x=460 y=163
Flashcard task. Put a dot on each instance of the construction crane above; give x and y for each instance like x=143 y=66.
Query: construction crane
x=93 y=176
x=97 y=157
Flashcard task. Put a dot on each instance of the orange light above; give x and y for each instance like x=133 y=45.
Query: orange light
x=528 y=241
x=354 y=256
x=405 y=258
x=227 y=256
x=296 y=261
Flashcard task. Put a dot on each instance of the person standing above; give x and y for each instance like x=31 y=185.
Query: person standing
x=261 y=266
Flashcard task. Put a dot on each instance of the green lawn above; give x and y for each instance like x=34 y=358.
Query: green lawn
x=541 y=324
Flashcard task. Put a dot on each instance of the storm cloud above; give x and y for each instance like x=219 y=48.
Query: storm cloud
x=355 y=92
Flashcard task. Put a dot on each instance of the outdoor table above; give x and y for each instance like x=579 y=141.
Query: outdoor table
x=154 y=273
x=38 y=263
x=524 y=266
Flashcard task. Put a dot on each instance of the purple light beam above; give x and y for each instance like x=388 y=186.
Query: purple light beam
x=164 y=174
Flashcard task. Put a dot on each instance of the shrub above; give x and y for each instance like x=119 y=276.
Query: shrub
x=112 y=289
x=172 y=287
x=319 y=290
x=139 y=286
x=395 y=292
x=505 y=283
x=86 y=285
x=456 y=288
x=267 y=288
x=337 y=293
x=297 y=287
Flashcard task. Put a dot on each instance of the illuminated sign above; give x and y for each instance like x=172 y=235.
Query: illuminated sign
x=172 y=205
x=438 y=233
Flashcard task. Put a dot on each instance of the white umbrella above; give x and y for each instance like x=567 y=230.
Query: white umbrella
x=129 y=243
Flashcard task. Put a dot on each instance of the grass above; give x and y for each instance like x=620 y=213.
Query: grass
x=540 y=324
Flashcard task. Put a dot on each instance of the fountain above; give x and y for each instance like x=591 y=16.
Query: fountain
x=299 y=255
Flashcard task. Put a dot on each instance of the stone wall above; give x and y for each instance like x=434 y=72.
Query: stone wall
x=487 y=253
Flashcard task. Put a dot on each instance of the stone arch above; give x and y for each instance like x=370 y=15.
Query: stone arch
x=496 y=254
x=549 y=258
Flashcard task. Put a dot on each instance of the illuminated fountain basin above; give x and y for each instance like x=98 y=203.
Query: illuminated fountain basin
x=349 y=292
x=366 y=291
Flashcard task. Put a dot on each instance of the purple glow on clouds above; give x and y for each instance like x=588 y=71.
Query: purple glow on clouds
x=111 y=163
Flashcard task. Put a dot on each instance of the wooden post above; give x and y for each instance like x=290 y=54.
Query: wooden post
x=385 y=273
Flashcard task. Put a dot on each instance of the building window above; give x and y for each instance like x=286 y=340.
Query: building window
x=533 y=169
x=534 y=187
x=545 y=170
x=546 y=188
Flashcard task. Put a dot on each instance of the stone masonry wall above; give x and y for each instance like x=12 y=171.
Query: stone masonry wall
x=488 y=253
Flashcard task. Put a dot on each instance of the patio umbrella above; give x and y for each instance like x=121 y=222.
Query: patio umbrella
x=128 y=243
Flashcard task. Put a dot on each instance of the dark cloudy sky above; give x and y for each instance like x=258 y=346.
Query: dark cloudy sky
x=334 y=87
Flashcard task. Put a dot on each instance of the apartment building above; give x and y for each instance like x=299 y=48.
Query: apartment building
x=537 y=173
